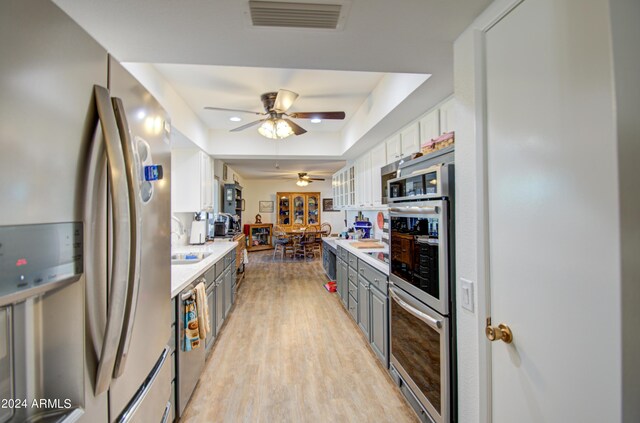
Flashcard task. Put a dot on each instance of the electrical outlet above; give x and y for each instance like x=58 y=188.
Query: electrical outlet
x=466 y=291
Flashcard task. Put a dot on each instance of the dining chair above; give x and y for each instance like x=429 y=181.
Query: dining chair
x=325 y=228
x=306 y=245
x=283 y=242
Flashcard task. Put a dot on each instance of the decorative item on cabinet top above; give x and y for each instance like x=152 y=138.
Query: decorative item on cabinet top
x=438 y=143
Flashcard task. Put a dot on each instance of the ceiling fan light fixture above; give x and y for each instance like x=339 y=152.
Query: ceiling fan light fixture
x=302 y=183
x=316 y=120
x=275 y=129
x=235 y=119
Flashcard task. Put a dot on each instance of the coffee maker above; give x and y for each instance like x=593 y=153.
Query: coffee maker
x=223 y=224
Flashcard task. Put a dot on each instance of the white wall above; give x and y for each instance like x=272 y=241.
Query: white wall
x=256 y=190
x=469 y=367
x=392 y=90
x=225 y=144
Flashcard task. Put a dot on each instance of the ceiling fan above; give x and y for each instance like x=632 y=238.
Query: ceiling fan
x=304 y=179
x=277 y=123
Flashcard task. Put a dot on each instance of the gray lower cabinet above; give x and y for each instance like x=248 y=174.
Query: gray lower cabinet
x=363 y=291
x=234 y=278
x=211 y=302
x=219 y=297
x=353 y=307
x=339 y=277
x=363 y=305
x=378 y=324
x=228 y=286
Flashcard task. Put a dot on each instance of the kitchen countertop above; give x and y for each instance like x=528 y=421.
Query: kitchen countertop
x=183 y=274
x=360 y=252
x=331 y=241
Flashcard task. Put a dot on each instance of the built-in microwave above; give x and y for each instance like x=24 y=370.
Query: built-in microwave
x=433 y=182
x=388 y=173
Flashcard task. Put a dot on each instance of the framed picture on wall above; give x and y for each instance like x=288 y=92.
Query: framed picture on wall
x=265 y=206
x=327 y=205
x=224 y=172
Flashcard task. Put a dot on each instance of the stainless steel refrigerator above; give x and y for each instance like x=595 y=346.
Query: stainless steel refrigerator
x=84 y=228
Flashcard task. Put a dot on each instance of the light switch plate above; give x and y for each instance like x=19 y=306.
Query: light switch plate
x=466 y=291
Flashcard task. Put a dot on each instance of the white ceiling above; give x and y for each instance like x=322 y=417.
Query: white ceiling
x=287 y=169
x=237 y=87
x=241 y=62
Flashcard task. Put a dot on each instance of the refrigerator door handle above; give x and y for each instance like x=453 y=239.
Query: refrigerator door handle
x=95 y=258
x=132 y=163
x=121 y=240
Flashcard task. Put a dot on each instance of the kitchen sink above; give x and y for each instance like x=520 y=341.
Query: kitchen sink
x=188 y=258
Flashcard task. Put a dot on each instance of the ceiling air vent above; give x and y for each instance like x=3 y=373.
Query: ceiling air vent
x=294 y=15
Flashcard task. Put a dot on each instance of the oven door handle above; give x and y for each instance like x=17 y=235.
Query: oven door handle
x=414 y=210
x=434 y=323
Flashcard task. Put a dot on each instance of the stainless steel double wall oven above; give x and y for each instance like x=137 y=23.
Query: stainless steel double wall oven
x=422 y=322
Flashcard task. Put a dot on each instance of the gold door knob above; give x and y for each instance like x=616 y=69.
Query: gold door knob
x=500 y=333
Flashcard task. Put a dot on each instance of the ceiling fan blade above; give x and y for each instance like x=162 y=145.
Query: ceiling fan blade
x=248 y=125
x=284 y=100
x=306 y=177
x=317 y=115
x=233 y=110
x=297 y=129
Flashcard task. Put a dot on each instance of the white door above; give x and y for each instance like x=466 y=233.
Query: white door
x=552 y=214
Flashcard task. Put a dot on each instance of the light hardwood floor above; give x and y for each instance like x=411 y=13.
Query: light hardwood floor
x=290 y=353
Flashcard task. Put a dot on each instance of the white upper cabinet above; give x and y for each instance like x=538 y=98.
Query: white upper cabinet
x=393 y=148
x=363 y=184
x=365 y=189
x=378 y=159
x=410 y=140
x=191 y=181
x=430 y=126
x=447 y=116
x=403 y=144
x=344 y=187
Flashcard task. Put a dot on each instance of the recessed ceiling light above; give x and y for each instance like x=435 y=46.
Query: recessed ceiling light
x=235 y=119
x=316 y=120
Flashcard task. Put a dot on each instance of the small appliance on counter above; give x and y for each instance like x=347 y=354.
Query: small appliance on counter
x=198 y=230
x=364 y=226
x=227 y=222
x=220 y=229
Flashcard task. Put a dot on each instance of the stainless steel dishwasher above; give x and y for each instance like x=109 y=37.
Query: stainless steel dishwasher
x=190 y=363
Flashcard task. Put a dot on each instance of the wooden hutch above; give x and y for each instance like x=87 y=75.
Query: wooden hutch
x=298 y=209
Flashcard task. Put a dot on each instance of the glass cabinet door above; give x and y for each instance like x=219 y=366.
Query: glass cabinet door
x=312 y=210
x=284 y=210
x=298 y=210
